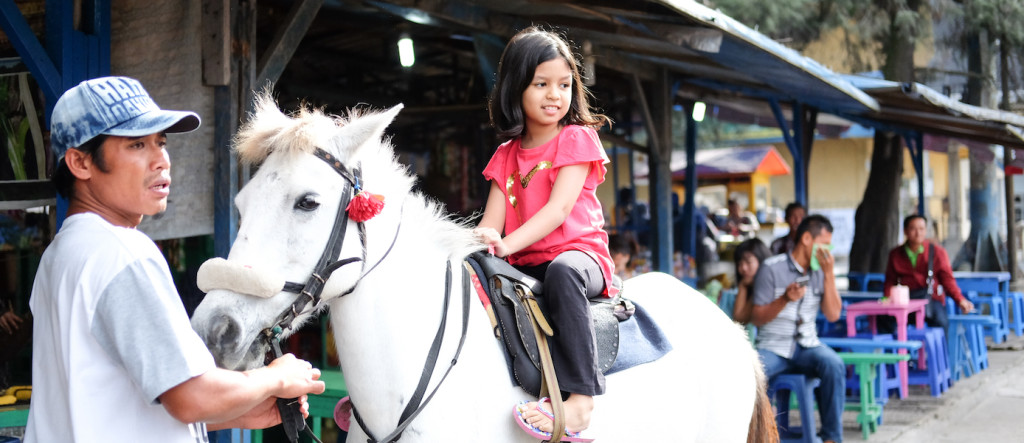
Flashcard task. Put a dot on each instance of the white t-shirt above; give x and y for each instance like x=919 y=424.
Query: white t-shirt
x=110 y=335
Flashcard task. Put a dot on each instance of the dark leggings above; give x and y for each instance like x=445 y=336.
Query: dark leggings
x=570 y=280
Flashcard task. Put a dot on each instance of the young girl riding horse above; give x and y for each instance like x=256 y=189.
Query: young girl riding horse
x=543 y=197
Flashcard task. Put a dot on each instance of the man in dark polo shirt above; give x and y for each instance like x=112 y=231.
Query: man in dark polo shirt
x=788 y=292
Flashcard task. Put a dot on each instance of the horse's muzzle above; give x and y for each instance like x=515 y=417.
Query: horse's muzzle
x=223 y=335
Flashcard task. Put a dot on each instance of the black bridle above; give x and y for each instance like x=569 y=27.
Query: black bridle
x=310 y=295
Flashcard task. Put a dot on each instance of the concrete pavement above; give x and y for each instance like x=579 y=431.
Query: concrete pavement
x=987 y=407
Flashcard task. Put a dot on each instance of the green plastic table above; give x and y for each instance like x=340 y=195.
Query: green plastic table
x=13 y=416
x=866 y=365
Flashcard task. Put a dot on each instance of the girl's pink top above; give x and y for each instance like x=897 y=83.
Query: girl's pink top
x=527 y=177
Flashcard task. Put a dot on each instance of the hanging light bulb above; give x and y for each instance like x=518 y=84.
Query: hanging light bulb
x=406 y=55
x=698 y=111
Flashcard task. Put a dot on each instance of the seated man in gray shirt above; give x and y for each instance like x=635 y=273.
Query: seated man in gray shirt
x=788 y=290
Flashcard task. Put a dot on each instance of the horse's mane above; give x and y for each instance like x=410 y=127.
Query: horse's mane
x=269 y=130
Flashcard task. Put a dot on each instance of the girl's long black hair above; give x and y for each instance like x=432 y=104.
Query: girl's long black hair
x=528 y=49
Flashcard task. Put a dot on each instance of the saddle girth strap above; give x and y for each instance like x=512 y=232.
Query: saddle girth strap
x=549 y=382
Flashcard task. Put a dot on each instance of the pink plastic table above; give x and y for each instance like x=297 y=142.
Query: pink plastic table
x=900 y=312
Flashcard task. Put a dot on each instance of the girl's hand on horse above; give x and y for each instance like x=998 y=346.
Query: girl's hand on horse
x=491 y=237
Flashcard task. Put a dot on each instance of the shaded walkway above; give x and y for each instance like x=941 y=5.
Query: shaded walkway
x=985 y=407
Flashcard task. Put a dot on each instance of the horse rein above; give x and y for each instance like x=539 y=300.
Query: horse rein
x=414 y=407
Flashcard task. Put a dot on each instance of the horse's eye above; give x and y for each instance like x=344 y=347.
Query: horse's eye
x=307 y=203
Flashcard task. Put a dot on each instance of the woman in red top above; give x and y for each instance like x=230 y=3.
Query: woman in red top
x=908 y=265
x=543 y=198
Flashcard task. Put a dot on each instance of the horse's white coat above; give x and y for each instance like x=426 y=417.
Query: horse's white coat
x=702 y=391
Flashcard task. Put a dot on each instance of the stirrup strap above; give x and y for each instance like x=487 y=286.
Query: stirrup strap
x=549 y=382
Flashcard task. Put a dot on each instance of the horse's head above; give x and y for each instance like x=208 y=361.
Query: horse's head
x=310 y=164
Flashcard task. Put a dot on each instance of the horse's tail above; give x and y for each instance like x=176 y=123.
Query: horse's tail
x=762 y=422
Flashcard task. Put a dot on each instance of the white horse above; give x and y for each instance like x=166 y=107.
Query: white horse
x=709 y=388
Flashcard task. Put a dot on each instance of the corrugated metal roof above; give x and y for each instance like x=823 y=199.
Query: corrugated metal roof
x=915 y=106
x=794 y=76
x=706 y=49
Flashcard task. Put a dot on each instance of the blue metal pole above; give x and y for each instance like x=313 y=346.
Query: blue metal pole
x=690 y=204
x=615 y=184
x=915 y=144
x=661 y=174
x=799 y=175
x=799 y=169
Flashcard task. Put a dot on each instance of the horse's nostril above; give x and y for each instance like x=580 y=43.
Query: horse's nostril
x=225 y=333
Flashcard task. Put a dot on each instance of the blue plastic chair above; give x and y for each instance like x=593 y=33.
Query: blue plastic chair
x=865 y=281
x=1016 y=309
x=780 y=388
x=966 y=344
x=936 y=373
x=996 y=308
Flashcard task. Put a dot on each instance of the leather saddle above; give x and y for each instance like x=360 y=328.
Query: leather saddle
x=510 y=298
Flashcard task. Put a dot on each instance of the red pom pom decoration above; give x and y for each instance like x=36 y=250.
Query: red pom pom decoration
x=364 y=206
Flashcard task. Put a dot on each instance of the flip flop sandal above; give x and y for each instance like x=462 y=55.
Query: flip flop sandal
x=536 y=432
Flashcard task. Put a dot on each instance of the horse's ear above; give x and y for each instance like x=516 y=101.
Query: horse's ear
x=365 y=128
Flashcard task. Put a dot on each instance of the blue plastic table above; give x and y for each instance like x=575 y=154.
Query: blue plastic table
x=997 y=284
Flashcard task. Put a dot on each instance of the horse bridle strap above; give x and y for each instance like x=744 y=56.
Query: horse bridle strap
x=309 y=293
x=414 y=407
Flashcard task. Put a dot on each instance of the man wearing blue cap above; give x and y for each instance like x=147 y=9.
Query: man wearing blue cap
x=114 y=356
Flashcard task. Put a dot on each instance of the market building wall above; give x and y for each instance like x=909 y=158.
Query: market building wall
x=159 y=44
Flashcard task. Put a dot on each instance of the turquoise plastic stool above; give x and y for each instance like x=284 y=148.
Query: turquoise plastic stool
x=1016 y=309
x=780 y=388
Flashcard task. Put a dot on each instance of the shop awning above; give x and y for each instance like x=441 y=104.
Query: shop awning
x=729 y=163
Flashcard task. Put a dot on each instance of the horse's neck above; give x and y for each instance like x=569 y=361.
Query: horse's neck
x=385 y=328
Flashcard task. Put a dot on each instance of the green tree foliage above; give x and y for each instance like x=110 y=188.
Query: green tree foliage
x=796 y=21
x=1001 y=18
x=867 y=23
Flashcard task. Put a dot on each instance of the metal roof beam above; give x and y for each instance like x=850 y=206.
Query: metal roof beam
x=282 y=47
x=30 y=50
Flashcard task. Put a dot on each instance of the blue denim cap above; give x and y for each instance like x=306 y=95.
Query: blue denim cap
x=111 y=106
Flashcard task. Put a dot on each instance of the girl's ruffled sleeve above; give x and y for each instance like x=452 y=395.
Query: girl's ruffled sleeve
x=496 y=166
x=581 y=144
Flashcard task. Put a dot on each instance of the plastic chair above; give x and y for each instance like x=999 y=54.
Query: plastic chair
x=976 y=337
x=935 y=372
x=963 y=344
x=1016 y=309
x=865 y=281
x=780 y=388
x=726 y=301
x=996 y=308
